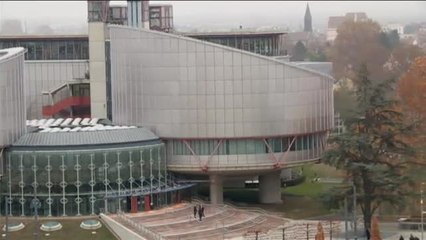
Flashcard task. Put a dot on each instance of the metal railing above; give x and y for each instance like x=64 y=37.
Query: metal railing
x=144 y=231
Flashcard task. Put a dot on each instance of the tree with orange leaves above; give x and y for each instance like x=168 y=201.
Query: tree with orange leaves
x=320 y=232
x=375 y=231
x=411 y=90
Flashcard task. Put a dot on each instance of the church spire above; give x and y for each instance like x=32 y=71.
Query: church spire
x=308 y=20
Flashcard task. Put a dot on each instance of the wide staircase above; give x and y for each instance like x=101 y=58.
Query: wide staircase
x=220 y=222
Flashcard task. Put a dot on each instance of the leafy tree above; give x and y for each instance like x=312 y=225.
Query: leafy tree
x=344 y=99
x=318 y=56
x=299 y=52
x=372 y=150
x=389 y=39
x=411 y=90
x=375 y=231
x=357 y=43
x=411 y=28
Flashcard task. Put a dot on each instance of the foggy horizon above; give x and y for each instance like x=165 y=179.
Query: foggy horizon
x=204 y=15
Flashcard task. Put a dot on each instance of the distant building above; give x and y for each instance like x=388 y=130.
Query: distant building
x=161 y=17
x=308 y=20
x=421 y=36
x=334 y=23
x=117 y=15
x=263 y=43
x=391 y=27
x=138 y=14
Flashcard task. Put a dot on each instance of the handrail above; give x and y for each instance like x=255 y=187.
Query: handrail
x=142 y=229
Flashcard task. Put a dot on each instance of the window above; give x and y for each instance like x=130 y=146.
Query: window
x=70 y=50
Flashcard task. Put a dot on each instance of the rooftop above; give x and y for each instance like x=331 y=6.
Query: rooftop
x=232 y=33
x=8 y=53
x=44 y=36
x=84 y=133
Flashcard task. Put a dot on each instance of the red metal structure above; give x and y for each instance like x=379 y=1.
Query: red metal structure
x=63 y=105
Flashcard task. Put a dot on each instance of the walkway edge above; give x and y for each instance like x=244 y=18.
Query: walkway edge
x=119 y=230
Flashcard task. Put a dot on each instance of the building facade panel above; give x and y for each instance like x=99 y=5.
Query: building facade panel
x=12 y=92
x=175 y=94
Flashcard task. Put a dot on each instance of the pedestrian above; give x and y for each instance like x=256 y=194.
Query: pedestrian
x=401 y=237
x=367 y=234
x=200 y=214
x=195 y=211
x=411 y=237
x=202 y=211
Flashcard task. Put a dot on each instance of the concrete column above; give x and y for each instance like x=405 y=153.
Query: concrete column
x=216 y=189
x=270 y=188
x=286 y=173
x=97 y=69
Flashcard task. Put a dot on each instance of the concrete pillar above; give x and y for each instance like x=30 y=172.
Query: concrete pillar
x=216 y=189
x=97 y=69
x=286 y=173
x=270 y=188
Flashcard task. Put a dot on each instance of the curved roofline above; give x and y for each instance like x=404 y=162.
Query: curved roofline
x=60 y=148
x=8 y=53
x=330 y=78
x=59 y=61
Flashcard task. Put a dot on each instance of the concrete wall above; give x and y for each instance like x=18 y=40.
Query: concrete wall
x=12 y=92
x=46 y=75
x=121 y=231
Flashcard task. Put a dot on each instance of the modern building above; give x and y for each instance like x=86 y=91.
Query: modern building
x=221 y=111
x=335 y=22
x=209 y=111
x=75 y=167
x=263 y=43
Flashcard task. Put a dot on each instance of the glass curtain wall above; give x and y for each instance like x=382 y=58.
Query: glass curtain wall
x=74 y=183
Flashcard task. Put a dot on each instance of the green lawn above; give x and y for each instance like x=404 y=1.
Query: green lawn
x=301 y=201
x=70 y=230
x=308 y=189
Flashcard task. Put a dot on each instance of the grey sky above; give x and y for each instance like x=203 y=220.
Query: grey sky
x=226 y=14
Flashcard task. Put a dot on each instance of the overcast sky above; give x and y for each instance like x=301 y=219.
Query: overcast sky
x=226 y=14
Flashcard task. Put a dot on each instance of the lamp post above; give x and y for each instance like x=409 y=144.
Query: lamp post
x=421 y=210
x=354 y=213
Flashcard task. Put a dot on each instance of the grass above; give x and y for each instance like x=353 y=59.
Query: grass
x=308 y=189
x=301 y=201
x=70 y=230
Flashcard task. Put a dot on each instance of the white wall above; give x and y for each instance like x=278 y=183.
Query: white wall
x=12 y=92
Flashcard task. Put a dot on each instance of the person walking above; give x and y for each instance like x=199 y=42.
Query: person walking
x=200 y=213
x=195 y=211
x=367 y=234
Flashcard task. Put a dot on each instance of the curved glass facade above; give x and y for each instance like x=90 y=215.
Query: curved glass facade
x=244 y=146
x=84 y=182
